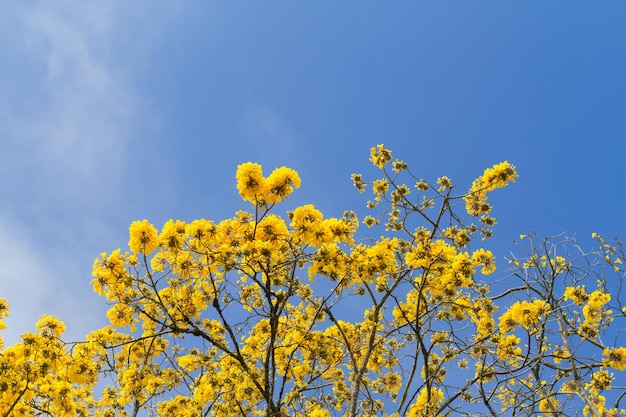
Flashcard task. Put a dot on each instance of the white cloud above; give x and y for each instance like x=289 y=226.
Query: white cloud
x=81 y=135
x=66 y=164
x=37 y=282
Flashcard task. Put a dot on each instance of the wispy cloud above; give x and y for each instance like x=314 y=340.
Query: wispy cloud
x=36 y=283
x=66 y=161
x=83 y=130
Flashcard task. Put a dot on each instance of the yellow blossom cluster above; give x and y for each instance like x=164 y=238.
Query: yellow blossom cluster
x=614 y=358
x=39 y=375
x=495 y=177
x=300 y=315
x=577 y=294
x=597 y=407
x=525 y=314
x=4 y=312
x=379 y=156
x=257 y=189
x=310 y=227
x=595 y=314
x=143 y=237
x=508 y=348
x=549 y=405
x=186 y=277
x=448 y=269
x=427 y=403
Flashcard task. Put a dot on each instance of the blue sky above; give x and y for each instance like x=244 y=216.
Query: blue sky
x=116 y=111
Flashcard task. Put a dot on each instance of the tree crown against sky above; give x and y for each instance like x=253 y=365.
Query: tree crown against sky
x=398 y=313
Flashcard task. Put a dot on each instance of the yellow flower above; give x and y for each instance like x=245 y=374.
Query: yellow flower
x=598 y=299
x=280 y=184
x=426 y=405
x=548 y=405
x=594 y=312
x=143 y=237
x=486 y=259
x=600 y=381
x=250 y=182
x=120 y=315
x=357 y=181
x=173 y=234
x=379 y=156
x=444 y=183
x=319 y=413
x=4 y=312
x=508 y=348
x=380 y=187
x=271 y=228
x=306 y=221
x=4 y=308
x=50 y=325
x=399 y=166
x=560 y=353
x=497 y=176
x=525 y=314
x=615 y=358
x=576 y=294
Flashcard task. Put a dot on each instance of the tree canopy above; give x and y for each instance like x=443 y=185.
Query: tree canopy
x=399 y=313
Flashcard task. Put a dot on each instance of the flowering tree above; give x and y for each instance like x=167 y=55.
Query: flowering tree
x=304 y=315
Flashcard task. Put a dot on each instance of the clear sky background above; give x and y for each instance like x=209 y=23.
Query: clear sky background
x=116 y=111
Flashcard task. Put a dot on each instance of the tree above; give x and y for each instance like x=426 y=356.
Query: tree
x=303 y=315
